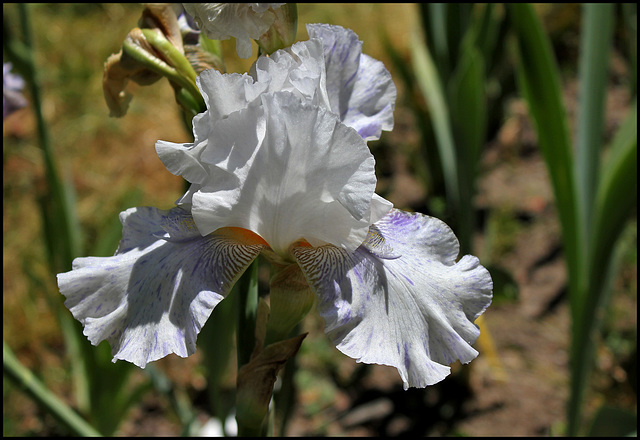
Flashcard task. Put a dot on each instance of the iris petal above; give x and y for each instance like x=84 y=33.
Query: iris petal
x=401 y=299
x=300 y=174
x=244 y=21
x=361 y=90
x=153 y=297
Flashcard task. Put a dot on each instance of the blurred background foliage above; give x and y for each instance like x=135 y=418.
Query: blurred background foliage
x=510 y=223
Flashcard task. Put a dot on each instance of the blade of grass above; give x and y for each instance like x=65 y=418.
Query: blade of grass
x=248 y=301
x=468 y=124
x=216 y=340
x=247 y=313
x=596 y=36
x=617 y=193
x=67 y=240
x=458 y=17
x=597 y=33
x=538 y=80
x=589 y=264
x=431 y=87
x=434 y=19
x=618 y=187
x=485 y=32
x=425 y=161
x=630 y=20
x=13 y=369
x=61 y=231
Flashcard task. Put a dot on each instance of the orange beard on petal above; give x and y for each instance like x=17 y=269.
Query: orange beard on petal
x=247 y=237
x=242 y=235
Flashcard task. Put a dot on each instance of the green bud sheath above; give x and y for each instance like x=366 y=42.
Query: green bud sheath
x=255 y=383
x=290 y=299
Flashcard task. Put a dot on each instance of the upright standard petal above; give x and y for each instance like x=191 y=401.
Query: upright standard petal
x=301 y=174
x=328 y=70
x=243 y=21
x=153 y=297
x=401 y=299
x=360 y=88
x=300 y=70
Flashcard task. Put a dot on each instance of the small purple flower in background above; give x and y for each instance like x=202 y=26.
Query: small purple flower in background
x=12 y=86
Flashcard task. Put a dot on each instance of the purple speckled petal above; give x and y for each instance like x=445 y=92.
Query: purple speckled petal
x=360 y=89
x=401 y=299
x=154 y=295
x=372 y=101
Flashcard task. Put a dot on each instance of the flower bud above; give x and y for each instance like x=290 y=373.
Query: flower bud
x=152 y=51
x=272 y=25
x=282 y=32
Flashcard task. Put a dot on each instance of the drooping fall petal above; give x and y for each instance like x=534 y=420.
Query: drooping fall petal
x=154 y=295
x=401 y=299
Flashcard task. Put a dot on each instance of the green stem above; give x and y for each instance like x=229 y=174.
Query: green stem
x=246 y=328
x=13 y=369
x=247 y=313
x=67 y=245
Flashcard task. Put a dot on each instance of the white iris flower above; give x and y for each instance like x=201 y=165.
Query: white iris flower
x=243 y=21
x=280 y=166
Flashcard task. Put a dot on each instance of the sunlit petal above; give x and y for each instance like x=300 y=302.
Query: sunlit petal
x=360 y=88
x=401 y=299
x=153 y=297
x=299 y=174
x=227 y=93
x=243 y=21
x=299 y=69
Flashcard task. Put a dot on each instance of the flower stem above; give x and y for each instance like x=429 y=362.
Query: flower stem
x=246 y=325
x=247 y=313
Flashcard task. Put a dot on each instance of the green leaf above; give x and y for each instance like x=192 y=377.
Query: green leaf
x=434 y=19
x=467 y=104
x=216 y=343
x=617 y=189
x=425 y=161
x=594 y=66
x=617 y=194
x=538 y=79
x=610 y=422
x=431 y=87
x=14 y=370
x=486 y=30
